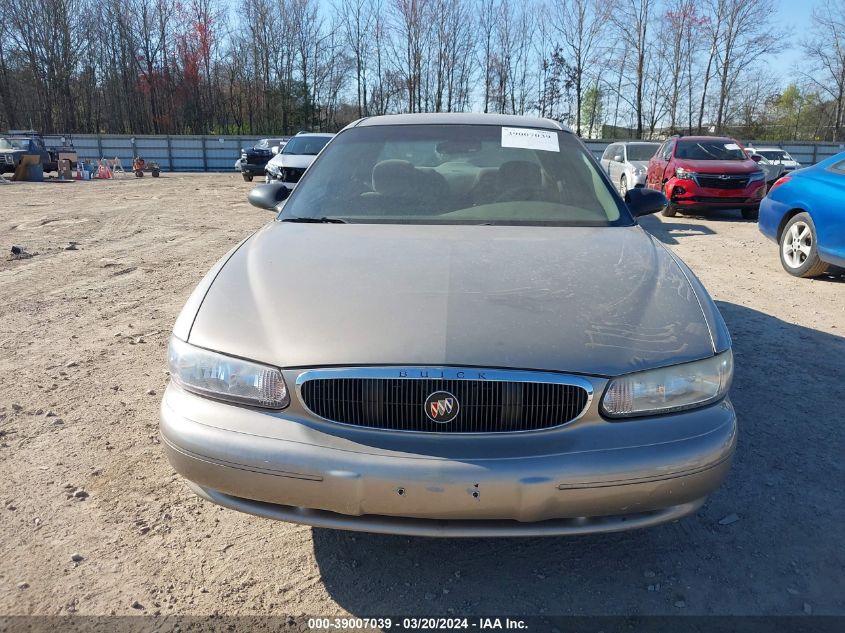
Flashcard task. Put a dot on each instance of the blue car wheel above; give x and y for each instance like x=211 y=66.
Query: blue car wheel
x=798 y=252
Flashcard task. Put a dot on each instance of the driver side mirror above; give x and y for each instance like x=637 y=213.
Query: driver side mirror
x=617 y=158
x=642 y=201
x=756 y=158
x=268 y=196
x=274 y=150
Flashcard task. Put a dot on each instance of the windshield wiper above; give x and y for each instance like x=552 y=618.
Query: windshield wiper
x=322 y=220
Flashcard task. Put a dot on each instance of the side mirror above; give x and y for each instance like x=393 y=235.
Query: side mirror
x=274 y=150
x=642 y=201
x=756 y=158
x=268 y=196
x=617 y=158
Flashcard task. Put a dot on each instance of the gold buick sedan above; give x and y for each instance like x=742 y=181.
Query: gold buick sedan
x=454 y=326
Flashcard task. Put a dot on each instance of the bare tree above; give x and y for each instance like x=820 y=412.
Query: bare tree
x=824 y=48
x=745 y=37
x=679 y=44
x=580 y=24
x=633 y=20
x=357 y=28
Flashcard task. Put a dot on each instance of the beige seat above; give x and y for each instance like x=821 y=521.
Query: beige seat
x=398 y=184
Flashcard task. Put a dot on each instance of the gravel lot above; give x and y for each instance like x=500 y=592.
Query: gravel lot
x=94 y=521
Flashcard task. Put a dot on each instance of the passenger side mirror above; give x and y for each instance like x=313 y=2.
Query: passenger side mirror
x=617 y=158
x=756 y=158
x=642 y=201
x=268 y=196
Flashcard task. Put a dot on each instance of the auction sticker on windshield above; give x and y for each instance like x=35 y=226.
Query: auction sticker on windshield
x=526 y=138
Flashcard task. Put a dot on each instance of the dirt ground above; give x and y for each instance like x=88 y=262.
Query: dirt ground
x=94 y=521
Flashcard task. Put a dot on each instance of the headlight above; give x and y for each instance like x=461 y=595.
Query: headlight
x=757 y=175
x=669 y=388
x=684 y=174
x=226 y=378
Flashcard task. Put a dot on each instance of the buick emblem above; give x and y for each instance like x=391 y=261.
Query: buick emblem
x=441 y=407
x=724 y=177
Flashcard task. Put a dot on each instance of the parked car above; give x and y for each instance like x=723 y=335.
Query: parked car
x=290 y=164
x=254 y=159
x=777 y=156
x=772 y=170
x=454 y=327
x=803 y=213
x=697 y=173
x=627 y=163
x=17 y=143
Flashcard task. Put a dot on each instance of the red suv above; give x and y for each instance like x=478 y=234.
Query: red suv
x=706 y=172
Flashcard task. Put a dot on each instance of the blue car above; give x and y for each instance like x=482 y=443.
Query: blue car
x=804 y=212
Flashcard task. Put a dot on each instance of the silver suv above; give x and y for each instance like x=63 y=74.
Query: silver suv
x=627 y=163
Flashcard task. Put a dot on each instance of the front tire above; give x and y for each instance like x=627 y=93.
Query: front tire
x=247 y=177
x=799 y=255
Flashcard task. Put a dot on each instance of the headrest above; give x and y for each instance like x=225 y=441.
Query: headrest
x=395 y=178
x=521 y=173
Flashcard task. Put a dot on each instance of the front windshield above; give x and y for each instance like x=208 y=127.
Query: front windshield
x=710 y=150
x=12 y=143
x=641 y=151
x=306 y=145
x=775 y=155
x=456 y=174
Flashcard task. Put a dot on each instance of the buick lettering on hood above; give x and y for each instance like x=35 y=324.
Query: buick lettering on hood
x=454 y=326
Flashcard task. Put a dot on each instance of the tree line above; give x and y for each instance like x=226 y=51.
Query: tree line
x=631 y=68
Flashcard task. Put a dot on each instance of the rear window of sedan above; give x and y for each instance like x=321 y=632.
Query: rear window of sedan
x=457 y=174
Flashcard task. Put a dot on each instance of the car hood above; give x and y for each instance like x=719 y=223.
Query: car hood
x=292 y=160
x=601 y=301
x=719 y=166
x=639 y=164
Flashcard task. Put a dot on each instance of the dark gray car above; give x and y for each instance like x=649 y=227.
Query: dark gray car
x=454 y=327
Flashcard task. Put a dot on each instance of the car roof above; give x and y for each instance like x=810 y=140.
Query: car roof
x=704 y=138
x=770 y=149
x=639 y=142
x=321 y=134
x=461 y=118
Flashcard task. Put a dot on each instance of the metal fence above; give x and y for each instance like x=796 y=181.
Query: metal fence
x=172 y=153
x=219 y=153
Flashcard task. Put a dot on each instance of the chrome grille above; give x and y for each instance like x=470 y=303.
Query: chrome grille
x=485 y=405
x=727 y=181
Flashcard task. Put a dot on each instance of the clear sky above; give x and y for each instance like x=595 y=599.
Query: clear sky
x=793 y=16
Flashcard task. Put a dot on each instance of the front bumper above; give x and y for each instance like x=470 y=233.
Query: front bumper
x=637 y=180
x=589 y=476
x=252 y=168
x=687 y=194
